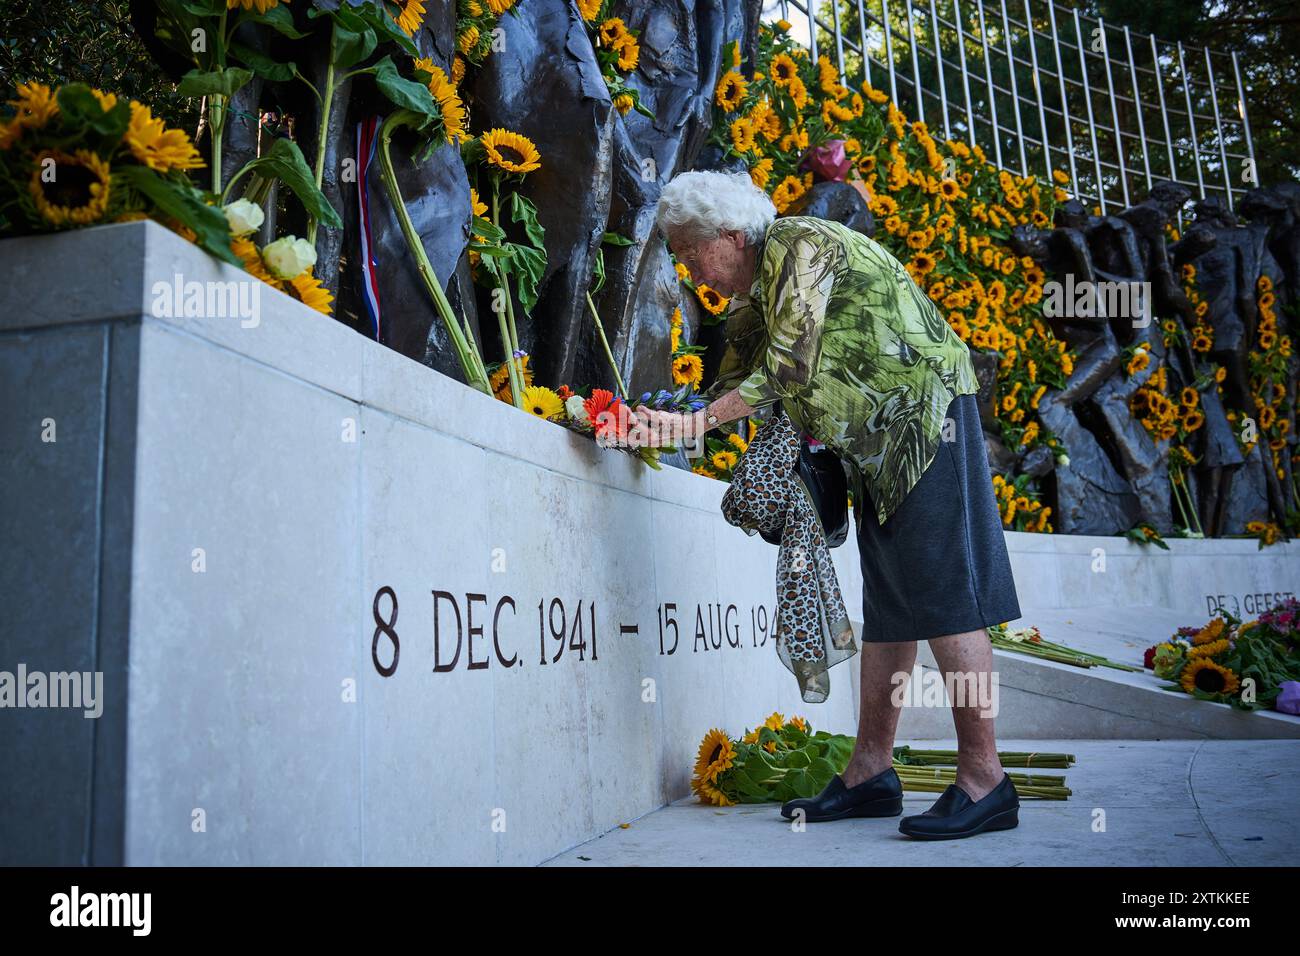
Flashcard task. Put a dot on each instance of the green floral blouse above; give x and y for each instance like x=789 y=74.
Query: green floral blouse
x=835 y=329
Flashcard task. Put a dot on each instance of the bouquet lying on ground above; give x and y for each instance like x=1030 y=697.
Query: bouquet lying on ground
x=1029 y=640
x=1250 y=665
x=781 y=760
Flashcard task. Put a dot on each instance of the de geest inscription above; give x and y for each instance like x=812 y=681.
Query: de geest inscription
x=458 y=635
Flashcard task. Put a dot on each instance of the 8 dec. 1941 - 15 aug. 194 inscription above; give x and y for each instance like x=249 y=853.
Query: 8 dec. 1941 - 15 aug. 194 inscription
x=457 y=635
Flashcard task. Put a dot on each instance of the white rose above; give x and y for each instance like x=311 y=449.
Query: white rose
x=244 y=216
x=1063 y=460
x=289 y=258
x=577 y=411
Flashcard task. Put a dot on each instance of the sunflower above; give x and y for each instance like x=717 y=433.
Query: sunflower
x=542 y=402
x=500 y=379
x=449 y=104
x=511 y=151
x=737 y=442
x=730 y=91
x=157 y=147
x=724 y=460
x=309 y=291
x=688 y=369
x=923 y=262
x=711 y=794
x=246 y=250
x=1211 y=632
x=36 y=105
x=683 y=273
x=742 y=135
x=949 y=189
x=760 y=172
x=711 y=299
x=623 y=103
x=467 y=40
x=715 y=755
x=411 y=17
x=261 y=6
x=629 y=52
x=499 y=7
x=1210 y=649
x=78 y=192
x=611 y=30
x=790 y=189
x=783 y=69
x=798 y=92
x=589 y=9
x=477 y=206
x=1205 y=675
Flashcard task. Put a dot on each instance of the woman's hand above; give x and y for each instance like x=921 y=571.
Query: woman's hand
x=661 y=428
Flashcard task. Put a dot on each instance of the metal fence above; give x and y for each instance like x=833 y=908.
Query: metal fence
x=1055 y=90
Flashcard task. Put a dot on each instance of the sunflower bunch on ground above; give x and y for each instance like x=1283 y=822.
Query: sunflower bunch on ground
x=1230 y=661
x=783 y=759
x=77 y=156
x=618 y=51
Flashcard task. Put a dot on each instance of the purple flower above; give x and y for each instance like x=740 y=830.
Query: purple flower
x=1288 y=701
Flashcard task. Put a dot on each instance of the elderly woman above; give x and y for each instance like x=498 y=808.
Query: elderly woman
x=827 y=322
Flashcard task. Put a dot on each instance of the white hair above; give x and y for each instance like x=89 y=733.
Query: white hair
x=702 y=203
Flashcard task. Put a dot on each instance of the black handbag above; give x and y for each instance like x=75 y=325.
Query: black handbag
x=822 y=473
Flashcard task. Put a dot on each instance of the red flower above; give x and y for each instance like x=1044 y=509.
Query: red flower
x=564 y=392
x=1149 y=658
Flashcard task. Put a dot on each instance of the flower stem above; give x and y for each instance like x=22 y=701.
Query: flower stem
x=470 y=361
x=322 y=136
x=600 y=330
x=507 y=339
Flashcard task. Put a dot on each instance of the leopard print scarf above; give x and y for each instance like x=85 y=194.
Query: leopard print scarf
x=766 y=493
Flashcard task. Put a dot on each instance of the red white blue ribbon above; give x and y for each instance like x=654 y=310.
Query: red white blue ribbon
x=367 y=139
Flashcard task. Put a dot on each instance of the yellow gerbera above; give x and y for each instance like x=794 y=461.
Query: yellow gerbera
x=157 y=147
x=78 y=192
x=512 y=152
x=542 y=402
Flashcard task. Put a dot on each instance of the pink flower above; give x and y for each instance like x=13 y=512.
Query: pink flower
x=828 y=160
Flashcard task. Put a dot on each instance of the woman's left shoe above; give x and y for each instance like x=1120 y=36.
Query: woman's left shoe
x=954 y=815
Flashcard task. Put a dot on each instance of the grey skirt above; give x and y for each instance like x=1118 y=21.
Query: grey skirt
x=939 y=563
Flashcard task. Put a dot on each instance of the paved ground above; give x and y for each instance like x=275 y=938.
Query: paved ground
x=1163 y=803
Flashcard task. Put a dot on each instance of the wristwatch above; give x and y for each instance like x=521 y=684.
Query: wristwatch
x=711 y=419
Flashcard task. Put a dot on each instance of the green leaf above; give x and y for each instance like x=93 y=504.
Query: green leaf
x=263 y=65
x=379 y=20
x=81 y=109
x=284 y=161
x=524 y=212
x=352 y=46
x=201 y=8
x=599 y=271
x=278 y=19
x=528 y=265
x=614 y=239
x=177 y=197
x=404 y=93
x=216 y=82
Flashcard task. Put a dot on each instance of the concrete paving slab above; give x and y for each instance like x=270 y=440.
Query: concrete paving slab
x=1134 y=803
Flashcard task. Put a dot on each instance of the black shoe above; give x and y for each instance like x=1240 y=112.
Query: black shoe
x=881 y=796
x=954 y=815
